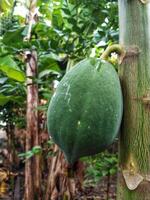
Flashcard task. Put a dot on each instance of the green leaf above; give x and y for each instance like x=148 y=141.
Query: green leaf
x=48 y=62
x=14 y=38
x=3 y=80
x=40 y=2
x=22 y=155
x=36 y=150
x=112 y=171
x=10 y=68
x=57 y=19
x=50 y=143
x=47 y=72
x=6 y=5
x=29 y=154
x=3 y=100
x=54 y=56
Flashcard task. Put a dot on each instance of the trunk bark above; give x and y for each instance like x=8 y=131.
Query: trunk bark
x=32 y=167
x=134 y=178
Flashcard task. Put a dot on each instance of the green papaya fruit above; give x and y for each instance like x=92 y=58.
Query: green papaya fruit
x=85 y=112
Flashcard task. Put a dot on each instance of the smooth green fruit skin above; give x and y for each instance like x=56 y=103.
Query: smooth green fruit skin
x=85 y=112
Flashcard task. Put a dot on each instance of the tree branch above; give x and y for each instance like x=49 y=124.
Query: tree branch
x=31 y=18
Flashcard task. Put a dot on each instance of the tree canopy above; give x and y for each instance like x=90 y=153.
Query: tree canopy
x=63 y=30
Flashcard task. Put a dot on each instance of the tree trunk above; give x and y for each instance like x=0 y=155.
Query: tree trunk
x=134 y=178
x=32 y=167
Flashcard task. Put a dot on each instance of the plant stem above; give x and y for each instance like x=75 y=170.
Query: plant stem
x=134 y=74
x=119 y=49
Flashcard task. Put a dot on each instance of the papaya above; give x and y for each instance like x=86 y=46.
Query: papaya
x=85 y=112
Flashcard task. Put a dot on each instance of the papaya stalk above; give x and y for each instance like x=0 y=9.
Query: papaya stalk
x=121 y=51
x=144 y=1
x=117 y=48
x=134 y=72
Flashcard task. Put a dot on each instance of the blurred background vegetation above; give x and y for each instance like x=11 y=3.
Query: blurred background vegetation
x=65 y=31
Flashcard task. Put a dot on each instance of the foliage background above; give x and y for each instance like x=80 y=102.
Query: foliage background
x=65 y=30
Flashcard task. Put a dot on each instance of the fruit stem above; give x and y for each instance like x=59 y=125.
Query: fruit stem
x=117 y=48
x=70 y=64
x=144 y=1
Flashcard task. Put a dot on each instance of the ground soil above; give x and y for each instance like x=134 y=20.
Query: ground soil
x=104 y=190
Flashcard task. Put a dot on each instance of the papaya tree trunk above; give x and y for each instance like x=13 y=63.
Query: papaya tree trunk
x=134 y=177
